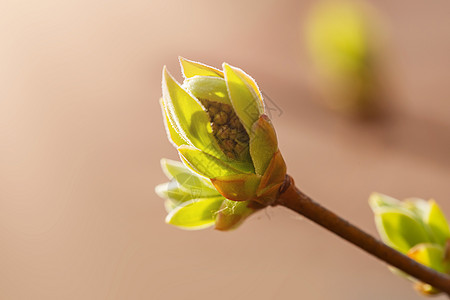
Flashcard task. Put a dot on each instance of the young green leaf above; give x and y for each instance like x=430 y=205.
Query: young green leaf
x=195 y=214
x=377 y=200
x=437 y=222
x=431 y=255
x=180 y=193
x=183 y=175
x=205 y=164
x=399 y=229
x=172 y=133
x=245 y=100
x=190 y=68
x=188 y=115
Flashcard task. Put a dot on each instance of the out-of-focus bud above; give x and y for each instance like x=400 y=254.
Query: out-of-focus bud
x=343 y=39
x=216 y=121
x=417 y=228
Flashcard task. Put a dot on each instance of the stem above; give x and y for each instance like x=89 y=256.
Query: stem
x=294 y=199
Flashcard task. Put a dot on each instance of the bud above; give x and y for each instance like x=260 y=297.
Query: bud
x=344 y=39
x=217 y=122
x=418 y=229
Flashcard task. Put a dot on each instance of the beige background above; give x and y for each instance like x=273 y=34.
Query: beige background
x=81 y=138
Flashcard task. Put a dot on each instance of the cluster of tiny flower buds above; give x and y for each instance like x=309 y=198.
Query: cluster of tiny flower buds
x=227 y=129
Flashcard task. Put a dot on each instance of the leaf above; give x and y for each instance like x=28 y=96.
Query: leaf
x=399 y=229
x=263 y=144
x=173 y=168
x=195 y=214
x=209 y=88
x=418 y=206
x=240 y=187
x=182 y=174
x=436 y=221
x=188 y=116
x=430 y=255
x=205 y=164
x=252 y=83
x=378 y=200
x=191 y=68
x=233 y=213
x=173 y=192
x=246 y=101
x=180 y=193
x=170 y=205
x=173 y=135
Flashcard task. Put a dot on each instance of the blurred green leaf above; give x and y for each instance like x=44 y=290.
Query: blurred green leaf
x=337 y=35
x=173 y=168
x=437 y=223
x=377 y=200
x=417 y=206
x=170 y=205
x=400 y=230
x=431 y=255
x=174 y=192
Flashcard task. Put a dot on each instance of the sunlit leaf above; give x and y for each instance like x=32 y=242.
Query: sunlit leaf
x=183 y=175
x=191 y=120
x=431 y=255
x=180 y=193
x=437 y=223
x=168 y=191
x=191 y=68
x=377 y=200
x=246 y=101
x=195 y=214
x=205 y=164
x=172 y=133
x=400 y=230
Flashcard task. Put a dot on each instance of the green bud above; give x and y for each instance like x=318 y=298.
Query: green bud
x=216 y=121
x=343 y=38
x=417 y=228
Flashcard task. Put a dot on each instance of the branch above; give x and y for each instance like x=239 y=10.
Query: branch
x=295 y=200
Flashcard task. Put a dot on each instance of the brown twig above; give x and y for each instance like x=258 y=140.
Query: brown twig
x=294 y=199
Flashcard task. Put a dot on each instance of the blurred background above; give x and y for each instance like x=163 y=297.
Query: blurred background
x=82 y=135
